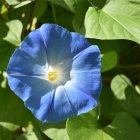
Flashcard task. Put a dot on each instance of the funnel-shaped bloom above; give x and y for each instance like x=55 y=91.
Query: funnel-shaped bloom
x=56 y=73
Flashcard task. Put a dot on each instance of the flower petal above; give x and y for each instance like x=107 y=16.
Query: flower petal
x=78 y=43
x=88 y=82
x=52 y=107
x=22 y=63
x=79 y=62
x=25 y=86
x=57 y=40
x=34 y=46
x=40 y=105
x=80 y=100
x=67 y=101
x=87 y=60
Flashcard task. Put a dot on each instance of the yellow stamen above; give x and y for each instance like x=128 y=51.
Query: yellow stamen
x=53 y=75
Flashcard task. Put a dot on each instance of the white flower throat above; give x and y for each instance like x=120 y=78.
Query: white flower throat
x=54 y=74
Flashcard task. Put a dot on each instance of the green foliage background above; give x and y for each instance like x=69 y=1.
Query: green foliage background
x=114 y=25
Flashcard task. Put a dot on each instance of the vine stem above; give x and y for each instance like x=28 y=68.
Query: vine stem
x=129 y=67
x=54 y=12
x=92 y=4
x=107 y=79
x=3 y=16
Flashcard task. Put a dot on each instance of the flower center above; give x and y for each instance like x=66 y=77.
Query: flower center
x=53 y=75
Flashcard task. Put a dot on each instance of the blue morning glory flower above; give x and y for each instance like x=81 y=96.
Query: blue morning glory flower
x=56 y=73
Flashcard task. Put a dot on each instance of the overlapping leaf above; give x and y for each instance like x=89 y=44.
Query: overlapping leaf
x=55 y=131
x=16 y=122
x=19 y=3
x=126 y=95
x=9 y=40
x=118 y=19
x=86 y=127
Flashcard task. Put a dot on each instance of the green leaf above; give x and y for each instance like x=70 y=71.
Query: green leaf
x=11 y=31
x=6 y=50
x=76 y=5
x=3 y=83
x=98 y=3
x=78 y=21
x=86 y=127
x=137 y=88
x=65 y=20
x=60 y=3
x=20 y=2
x=109 y=60
x=9 y=39
x=71 y=5
x=55 y=131
x=30 y=133
x=13 y=114
x=118 y=19
x=38 y=12
x=126 y=95
x=110 y=51
x=107 y=99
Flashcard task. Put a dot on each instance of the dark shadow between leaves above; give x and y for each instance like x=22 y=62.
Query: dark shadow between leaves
x=134 y=2
x=124 y=128
x=131 y=103
x=80 y=12
x=3 y=30
x=5 y=53
x=13 y=110
x=6 y=134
